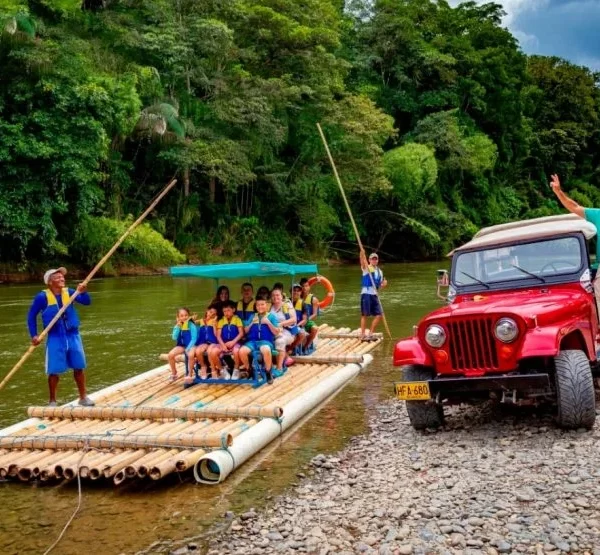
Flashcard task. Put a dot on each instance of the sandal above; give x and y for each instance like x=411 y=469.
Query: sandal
x=172 y=378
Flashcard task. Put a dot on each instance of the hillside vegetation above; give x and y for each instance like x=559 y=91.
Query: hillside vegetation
x=438 y=122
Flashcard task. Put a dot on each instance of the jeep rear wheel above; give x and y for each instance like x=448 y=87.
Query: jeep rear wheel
x=422 y=414
x=574 y=390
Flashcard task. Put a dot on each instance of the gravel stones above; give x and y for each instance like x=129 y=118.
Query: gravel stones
x=494 y=480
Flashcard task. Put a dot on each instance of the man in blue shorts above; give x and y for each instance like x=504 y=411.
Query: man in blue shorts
x=64 y=348
x=369 y=301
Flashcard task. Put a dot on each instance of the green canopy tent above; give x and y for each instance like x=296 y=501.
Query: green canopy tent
x=243 y=270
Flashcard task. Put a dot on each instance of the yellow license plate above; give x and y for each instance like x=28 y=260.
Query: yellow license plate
x=413 y=391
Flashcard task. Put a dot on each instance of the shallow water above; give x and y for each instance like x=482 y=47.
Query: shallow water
x=124 y=330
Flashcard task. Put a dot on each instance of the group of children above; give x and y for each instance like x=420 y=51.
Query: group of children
x=262 y=324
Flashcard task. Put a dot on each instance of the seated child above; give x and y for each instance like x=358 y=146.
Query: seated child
x=261 y=332
x=184 y=334
x=207 y=336
x=312 y=310
x=263 y=291
x=301 y=318
x=230 y=331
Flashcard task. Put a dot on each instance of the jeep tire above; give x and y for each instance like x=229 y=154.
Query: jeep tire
x=422 y=414
x=575 y=393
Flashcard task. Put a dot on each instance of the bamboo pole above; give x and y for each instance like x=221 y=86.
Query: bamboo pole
x=152 y=413
x=93 y=459
x=330 y=359
x=186 y=461
x=144 y=469
x=347 y=335
x=360 y=245
x=123 y=442
x=121 y=463
x=84 y=283
x=161 y=469
x=29 y=468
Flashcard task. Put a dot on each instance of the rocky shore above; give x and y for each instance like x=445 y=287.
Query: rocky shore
x=491 y=482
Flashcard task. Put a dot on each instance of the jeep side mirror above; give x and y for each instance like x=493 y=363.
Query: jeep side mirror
x=443 y=280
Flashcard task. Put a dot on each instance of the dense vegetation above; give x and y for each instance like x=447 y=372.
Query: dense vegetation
x=438 y=122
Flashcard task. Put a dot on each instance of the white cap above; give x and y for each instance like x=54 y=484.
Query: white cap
x=50 y=273
x=374 y=255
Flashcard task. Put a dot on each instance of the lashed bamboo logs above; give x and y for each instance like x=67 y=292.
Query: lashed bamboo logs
x=140 y=431
x=154 y=413
x=215 y=466
x=122 y=442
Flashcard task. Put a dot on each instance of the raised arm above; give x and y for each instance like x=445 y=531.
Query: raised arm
x=567 y=202
x=364 y=263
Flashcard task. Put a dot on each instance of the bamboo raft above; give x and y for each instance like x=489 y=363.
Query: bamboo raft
x=146 y=427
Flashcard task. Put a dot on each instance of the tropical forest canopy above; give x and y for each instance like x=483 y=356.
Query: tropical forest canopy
x=437 y=120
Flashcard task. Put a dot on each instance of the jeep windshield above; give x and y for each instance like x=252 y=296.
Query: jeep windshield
x=538 y=262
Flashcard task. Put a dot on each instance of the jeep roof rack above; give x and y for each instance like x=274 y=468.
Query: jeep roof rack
x=529 y=229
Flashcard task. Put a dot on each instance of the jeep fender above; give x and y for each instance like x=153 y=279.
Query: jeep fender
x=548 y=341
x=410 y=351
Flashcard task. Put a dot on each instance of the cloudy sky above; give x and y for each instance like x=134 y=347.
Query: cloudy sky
x=566 y=28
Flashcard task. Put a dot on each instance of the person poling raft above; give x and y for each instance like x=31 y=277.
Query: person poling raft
x=64 y=348
x=63 y=299
x=372 y=304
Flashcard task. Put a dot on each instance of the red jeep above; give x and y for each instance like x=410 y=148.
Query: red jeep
x=521 y=326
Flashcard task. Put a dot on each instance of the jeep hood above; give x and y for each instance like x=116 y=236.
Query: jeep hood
x=525 y=303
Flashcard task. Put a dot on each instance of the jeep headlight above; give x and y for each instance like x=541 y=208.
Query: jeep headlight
x=506 y=330
x=435 y=336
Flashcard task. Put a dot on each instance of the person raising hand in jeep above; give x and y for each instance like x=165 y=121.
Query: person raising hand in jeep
x=592 y=215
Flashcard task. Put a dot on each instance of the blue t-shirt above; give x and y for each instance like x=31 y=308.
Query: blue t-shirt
x=592 y=215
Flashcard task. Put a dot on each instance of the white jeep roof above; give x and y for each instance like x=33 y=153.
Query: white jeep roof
x=549 y=226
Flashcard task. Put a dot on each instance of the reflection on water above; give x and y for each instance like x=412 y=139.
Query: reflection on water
x=126 y=327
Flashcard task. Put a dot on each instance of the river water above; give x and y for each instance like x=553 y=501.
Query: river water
x=124 y=330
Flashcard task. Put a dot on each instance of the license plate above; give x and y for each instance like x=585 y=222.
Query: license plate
x=413 y=391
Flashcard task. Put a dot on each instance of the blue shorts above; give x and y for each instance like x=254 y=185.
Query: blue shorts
x=370 y=305
x=64 y=352
x=256 y=345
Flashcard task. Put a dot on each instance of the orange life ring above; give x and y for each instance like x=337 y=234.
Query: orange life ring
x=328 y=300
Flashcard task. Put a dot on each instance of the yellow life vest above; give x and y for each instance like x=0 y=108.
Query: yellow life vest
x=64 y=295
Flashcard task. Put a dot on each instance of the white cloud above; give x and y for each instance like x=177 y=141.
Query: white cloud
x=513 y=8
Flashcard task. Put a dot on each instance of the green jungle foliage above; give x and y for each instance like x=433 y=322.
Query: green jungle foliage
x=439 y=124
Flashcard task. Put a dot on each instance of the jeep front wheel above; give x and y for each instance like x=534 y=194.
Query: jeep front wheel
x=574 y=390
x=422 y=414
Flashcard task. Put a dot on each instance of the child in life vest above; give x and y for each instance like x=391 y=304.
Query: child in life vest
x=207 y=336
x=230 y=331
x=185 y=335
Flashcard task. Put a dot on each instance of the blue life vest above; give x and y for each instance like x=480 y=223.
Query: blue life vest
x=245 y=313
x=206 y=332
x=285 y=310
x=260 y=332
x=69 y=319
x=377 y=275
x=230 y=330
x=185 y=335
x=309 y=307
x=299 y=308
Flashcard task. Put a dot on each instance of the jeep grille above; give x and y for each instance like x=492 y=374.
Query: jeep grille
x=472 y=344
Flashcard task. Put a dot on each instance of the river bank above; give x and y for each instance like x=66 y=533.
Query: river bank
x=33 y=273
x=491 y=482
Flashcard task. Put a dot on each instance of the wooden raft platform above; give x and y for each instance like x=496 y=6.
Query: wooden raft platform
x=146 y=427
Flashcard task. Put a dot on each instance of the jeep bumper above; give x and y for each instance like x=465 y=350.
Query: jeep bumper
x=414 y=391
